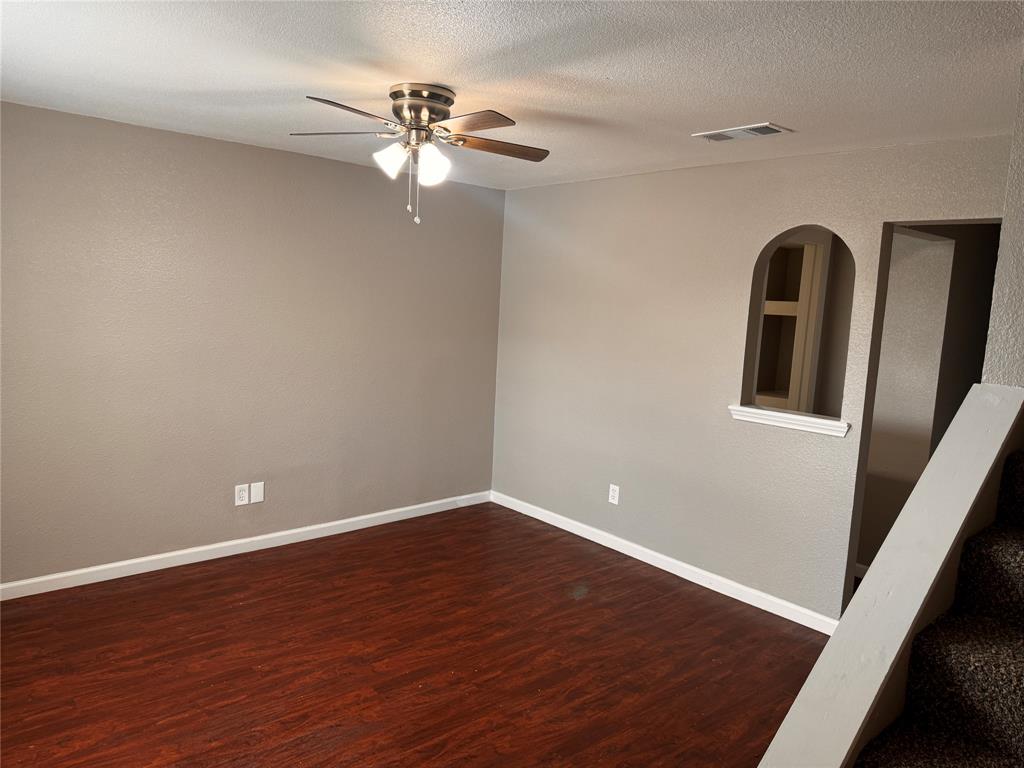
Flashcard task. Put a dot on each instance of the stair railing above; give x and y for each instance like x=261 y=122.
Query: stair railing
x=857 y=685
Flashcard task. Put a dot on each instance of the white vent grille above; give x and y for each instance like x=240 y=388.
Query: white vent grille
x=742 y=132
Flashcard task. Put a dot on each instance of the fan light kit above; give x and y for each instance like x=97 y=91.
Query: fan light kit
x=422 y=122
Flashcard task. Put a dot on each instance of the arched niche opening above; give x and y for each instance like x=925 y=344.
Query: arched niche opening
x=798 y=327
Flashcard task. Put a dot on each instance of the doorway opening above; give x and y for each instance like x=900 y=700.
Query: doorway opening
x=938 y=298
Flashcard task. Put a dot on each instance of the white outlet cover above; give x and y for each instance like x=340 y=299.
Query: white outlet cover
x=256 y=492
x=613 y=494
x=241 y=494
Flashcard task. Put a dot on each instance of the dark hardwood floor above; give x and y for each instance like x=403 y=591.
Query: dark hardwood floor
x=477 y=637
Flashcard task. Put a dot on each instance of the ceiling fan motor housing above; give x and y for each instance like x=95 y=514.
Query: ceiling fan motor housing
x=419 y=104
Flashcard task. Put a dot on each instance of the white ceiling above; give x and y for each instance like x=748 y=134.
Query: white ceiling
x=609 y=88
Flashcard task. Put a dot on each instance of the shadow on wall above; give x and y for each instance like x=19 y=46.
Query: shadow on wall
x=798 y=327
x=885 y=496
x=888 y=486
x=933 y=336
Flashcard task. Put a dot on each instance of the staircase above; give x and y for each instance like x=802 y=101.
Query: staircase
x=965 y=689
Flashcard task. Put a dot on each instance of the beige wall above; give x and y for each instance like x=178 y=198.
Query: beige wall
x=182 y=314
x=1004 y=355
x=623 y=314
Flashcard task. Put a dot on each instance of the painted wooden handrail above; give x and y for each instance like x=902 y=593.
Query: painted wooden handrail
x=828 y=721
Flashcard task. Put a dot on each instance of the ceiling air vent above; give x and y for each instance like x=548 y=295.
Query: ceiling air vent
x=742 y=132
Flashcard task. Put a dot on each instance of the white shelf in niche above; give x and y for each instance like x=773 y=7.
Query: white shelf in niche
x=804 y=422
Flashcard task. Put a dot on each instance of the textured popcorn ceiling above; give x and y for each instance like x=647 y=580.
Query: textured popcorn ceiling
x=610 y=88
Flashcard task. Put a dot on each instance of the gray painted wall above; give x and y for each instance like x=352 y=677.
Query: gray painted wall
x=182 y=314
x=249 y=314
x=623 y=316
x=906 y=388
x=967 y=316
x=1004 y=356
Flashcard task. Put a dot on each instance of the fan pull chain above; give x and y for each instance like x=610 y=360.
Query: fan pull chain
x=408 y=205
x=416 y=218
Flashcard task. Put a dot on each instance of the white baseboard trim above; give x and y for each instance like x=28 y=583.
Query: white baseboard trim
x=860 y=570
x=136 y=565
x=712 y=581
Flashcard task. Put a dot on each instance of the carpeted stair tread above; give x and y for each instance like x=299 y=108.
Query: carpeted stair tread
x=967 y=675
x=991 y=577
x=965 y=685
x=1011 y=489
x=903 y=745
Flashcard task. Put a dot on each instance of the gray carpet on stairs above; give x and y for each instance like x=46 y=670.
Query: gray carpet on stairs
x=905 y=746
x=965 y=688
x=991 y=577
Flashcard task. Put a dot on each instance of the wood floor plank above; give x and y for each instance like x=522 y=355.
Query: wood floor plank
x=477 y=637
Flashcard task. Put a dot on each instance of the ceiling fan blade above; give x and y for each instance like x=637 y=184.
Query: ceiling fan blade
x=474 y=121
x=520 y=151
x=348 y=133
x=389 y=123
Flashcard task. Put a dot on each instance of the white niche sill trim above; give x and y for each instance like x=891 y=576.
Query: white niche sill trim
x=788 y=420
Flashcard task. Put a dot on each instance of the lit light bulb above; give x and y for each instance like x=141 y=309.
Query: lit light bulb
x=434 y=166
x=391 y=159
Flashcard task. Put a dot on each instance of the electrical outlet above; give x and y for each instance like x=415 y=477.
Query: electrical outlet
x=256 y=492
x=613 y=494
x=241 y=494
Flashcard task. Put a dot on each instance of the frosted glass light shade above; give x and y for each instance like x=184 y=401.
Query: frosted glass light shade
x=434 y=166
x=391 y=159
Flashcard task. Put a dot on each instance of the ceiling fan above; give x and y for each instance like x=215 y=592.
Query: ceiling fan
x=422 y=121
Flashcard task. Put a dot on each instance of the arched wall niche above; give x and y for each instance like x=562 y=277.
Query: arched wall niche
x=798 y=323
